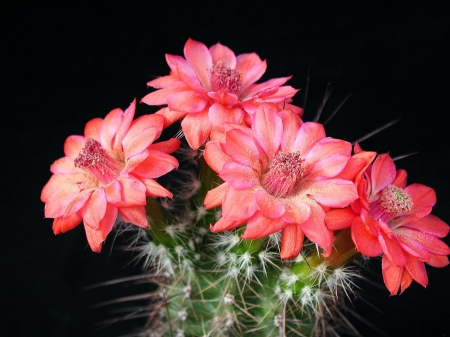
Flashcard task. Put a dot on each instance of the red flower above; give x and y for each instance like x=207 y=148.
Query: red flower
x=213 y=86
x=393 y=219
x=108 y=172
x=278 y=177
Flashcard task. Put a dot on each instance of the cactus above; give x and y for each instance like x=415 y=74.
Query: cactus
x=216 y=284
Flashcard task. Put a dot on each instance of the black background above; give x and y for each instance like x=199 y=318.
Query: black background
x=62 y=65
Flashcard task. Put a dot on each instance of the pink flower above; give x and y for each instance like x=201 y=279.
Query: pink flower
x=212 y=86
x=108 y=172
x=394 y=219
x=278 y=176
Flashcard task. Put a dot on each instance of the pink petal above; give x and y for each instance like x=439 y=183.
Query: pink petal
x=214 y=156
x=238 y=205
x=382 y=174
x=127 y=118
x=199 y=57
x=427 y=241
x=266 y=88
x=332 y=192
x=163 y=81
x=417 y=270
x=92 y=129
x=328 y=167
x=429 y=224
x=357 y=165
x=138 y=141
x=326 y=147
x=56 y=182
x=170 y=116
x=391 y=247
x=224 y=225
x=365 y=242
x=412 y=247
x=392 y=275
x=282 y=94
x=438 y=261
x=297 y=212
x=65 y=224
x=188 y=101
x=96 y=236
x=218 y=114
x=291 y=242
x=239 y=176
x=252 y=68
x=245 y=62
x=422 y=196
x=94 y=209
x=109 y=128
x=223 y=97
x=142 y=132
x=73 y=145
x=161 y=97
x=65 y=166
x=134 y=215
x=187 y=74
x=269 y=206
x=133 y=192
x=340 y=218
x=308 y=135
x=156 y=165
x=316 y=231
x=400 y=179
x=59 y=199
x=153 y=189
x=291 y=125
x=134 y=161
x=259 y=227
x=113 y=192
x=222 y=53
x=242 y=148
x=268 y=130
x=196 y=128
x=215 y=196
x=167 y=146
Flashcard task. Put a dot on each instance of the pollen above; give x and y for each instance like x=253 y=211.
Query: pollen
x=225 y=79
x=285 y=171
x=394 y=200
x=96 y=160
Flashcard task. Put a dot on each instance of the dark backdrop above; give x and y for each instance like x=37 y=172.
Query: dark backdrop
x=62 y=65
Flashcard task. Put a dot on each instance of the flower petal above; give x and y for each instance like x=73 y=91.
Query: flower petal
x=199 y=57
x=269 y=206
x=134 y=215
x=239 y=176
x=196 y=128
x=291 y=242
x=332 y=192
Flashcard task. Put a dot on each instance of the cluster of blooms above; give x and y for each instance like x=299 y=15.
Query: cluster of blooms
x=279 y=174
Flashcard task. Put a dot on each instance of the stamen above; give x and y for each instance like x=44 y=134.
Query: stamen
x=394 y=200
x=284 y=172
x=225 y=79
x=94 y=159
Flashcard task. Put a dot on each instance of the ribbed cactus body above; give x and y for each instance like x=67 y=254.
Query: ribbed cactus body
x=216 y=284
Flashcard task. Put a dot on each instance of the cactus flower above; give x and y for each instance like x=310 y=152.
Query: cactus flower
x=212 y=86
x=108 y=172
x=278 y=176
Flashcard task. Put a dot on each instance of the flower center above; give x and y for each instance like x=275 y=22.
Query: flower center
x=94 y=159
x=225 y=79
x=393 y=201
x=285 y=171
